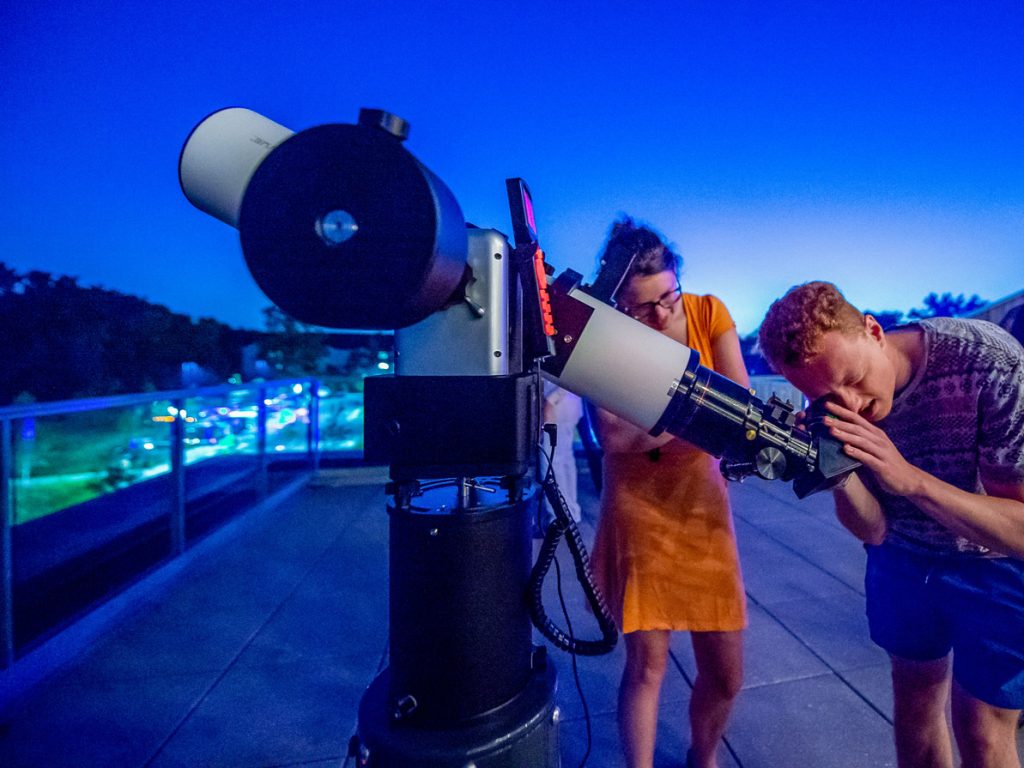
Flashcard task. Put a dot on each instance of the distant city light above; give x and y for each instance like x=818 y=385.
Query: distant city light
x=172 y=410
x=383 y=366
x=148 y=446
x=297 y=389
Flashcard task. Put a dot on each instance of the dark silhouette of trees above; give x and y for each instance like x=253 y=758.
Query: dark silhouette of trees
x=289 y=347
x=947 y=305
x=62 y=340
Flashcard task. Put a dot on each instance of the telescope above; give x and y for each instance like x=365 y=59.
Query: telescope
x=341 y=226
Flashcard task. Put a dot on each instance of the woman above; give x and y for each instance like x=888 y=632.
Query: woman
x=665 y=552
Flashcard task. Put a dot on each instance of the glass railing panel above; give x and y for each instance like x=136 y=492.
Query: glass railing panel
x=94 y=499
x=287 y=409
x=221 y=425
x=67 y=459
x=341 y=419
x=92 y=502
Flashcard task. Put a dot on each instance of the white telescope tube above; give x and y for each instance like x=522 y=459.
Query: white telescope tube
x=622 y=365
x=220 y=157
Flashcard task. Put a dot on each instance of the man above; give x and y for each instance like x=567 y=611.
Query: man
x=935 y=413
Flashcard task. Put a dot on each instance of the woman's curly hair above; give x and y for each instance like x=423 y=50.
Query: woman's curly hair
x=792 y=330
x=652 y=253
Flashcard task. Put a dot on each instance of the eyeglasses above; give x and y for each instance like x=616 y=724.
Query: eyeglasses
x=646 y=310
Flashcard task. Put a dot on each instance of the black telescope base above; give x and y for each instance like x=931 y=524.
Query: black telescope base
x=522 y=733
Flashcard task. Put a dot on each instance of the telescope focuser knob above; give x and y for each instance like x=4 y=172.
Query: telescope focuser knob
x=770 y=463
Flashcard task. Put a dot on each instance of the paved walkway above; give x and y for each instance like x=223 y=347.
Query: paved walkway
x=255 y=650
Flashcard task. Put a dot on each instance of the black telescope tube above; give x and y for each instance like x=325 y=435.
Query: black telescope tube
x=709 y=410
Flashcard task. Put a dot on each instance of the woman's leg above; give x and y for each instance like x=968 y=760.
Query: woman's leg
x=646 y=656
x=719 y=679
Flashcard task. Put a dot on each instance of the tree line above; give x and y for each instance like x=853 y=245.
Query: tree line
x=62 y=340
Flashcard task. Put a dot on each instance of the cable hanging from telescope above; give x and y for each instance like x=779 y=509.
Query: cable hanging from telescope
x=564 y=525
x=575 y=667
x=549 y=479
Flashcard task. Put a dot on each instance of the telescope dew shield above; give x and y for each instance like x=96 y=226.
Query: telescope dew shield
x=221 y=155
x=340 y=225
x=616 y=363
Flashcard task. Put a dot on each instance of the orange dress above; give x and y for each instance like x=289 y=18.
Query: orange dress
x=665 y=553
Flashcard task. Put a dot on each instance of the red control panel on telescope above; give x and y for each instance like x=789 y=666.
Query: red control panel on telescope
x=539 y=323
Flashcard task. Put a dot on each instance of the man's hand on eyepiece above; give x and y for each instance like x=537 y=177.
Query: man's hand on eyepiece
x=869 y=445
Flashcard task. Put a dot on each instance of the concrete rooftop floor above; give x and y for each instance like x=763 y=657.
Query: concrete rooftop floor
x=255 y=648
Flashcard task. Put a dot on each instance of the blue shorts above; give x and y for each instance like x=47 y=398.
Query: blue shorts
x=920 y=607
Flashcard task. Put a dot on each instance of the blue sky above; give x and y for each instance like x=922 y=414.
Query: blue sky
x=878 y=145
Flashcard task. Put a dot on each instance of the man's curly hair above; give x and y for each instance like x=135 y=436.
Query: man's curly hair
x=792 y=330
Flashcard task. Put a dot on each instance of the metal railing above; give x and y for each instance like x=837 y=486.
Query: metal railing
x=50 y=464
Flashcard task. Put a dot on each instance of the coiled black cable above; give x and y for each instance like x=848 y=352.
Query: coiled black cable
x=564 y=525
